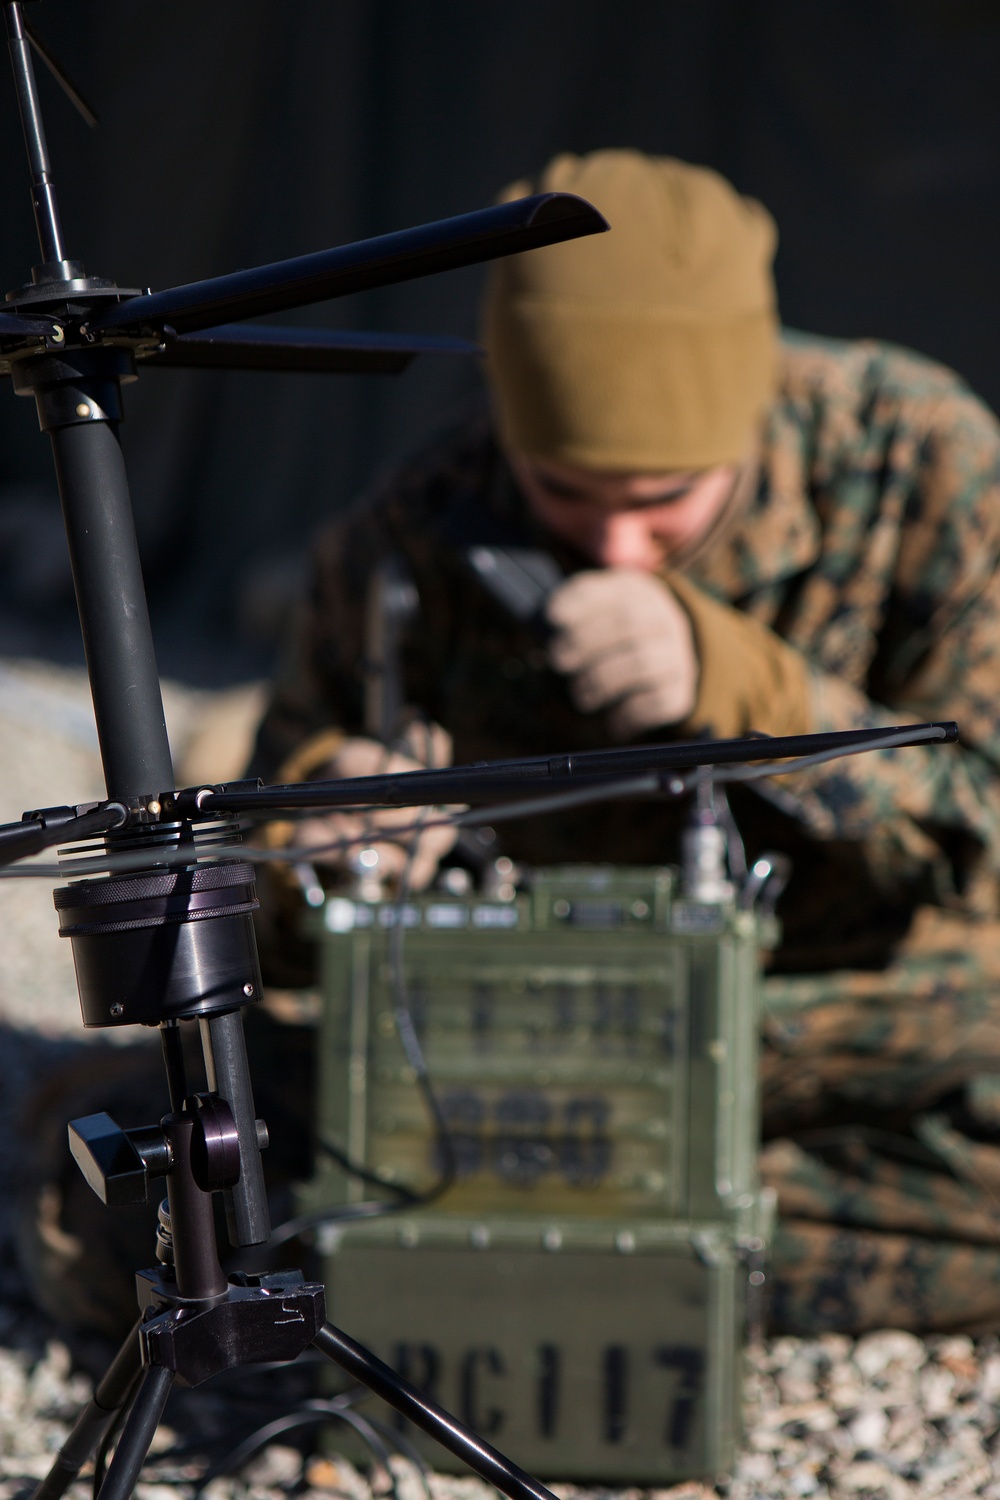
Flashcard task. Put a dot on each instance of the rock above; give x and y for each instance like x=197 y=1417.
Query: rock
x=338 y=1475
x=869 y=1428
x=408 y=1481
x=958 y=1356
x=871 y=1478
x=937 y=1391
x=756 y=1468
x=812 y=1416
x=877 y=1352
x=322 y=1474
x=455 y=1487
x=276 y=1465
x=989 y=1381
x=692 y=1491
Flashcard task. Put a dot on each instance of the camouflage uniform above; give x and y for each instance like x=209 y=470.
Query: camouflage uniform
x=870 y=543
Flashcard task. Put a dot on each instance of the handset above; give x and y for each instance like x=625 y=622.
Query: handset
x=520 y=578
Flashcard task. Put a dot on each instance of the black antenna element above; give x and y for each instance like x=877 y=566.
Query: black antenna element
x=489 y=780
x=173 y=940
x=43 y=195
x=526 y=224
x=245 y=346
x=61 y=77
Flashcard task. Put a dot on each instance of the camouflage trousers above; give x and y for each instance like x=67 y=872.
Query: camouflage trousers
x=882 y=1136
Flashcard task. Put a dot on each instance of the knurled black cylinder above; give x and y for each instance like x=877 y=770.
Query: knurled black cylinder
x=173 y=945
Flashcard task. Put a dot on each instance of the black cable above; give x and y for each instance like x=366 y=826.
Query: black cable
x=370 y=1429
x=414 y=1052
x=315 y=1413
x=406 y=1448
x=348 y=1213
x=105 y=1445
x=402 y=1010
x=410 y=1041
x=364 y=1174
x=375 y=1435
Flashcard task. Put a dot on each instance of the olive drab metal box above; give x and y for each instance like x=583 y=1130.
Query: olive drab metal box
x=583 y=1350
x=578 y=1292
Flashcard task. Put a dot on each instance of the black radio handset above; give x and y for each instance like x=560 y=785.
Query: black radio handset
x=486 y=530
x=392 y=603
x=519 y=578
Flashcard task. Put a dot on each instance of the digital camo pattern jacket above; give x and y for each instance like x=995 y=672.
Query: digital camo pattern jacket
x=871 y=544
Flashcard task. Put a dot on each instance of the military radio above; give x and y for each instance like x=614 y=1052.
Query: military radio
x=578 y=1285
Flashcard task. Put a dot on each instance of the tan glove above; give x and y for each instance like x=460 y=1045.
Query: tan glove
x=330 y=756
x=626 y=645
x=659 y=652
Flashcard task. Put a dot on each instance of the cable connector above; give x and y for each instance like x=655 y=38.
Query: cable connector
x=188 y=802
x=45 y=826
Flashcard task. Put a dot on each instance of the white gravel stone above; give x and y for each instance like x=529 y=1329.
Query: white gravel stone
x=869 y=1428
x=460 y=1487
x=409 y=1485
x=276 y=1466
x=877 y=1354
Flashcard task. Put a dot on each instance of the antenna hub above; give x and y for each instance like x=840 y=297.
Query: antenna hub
x=162 y=946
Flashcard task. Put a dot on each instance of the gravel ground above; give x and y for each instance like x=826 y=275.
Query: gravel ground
x=890 y=1417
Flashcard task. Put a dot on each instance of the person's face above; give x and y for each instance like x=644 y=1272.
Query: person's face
x=624 y=520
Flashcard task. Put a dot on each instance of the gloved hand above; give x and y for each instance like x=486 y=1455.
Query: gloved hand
x=626 y=645
x=431 y=746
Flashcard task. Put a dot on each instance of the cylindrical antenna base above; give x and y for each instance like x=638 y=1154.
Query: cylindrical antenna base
x=165 y=946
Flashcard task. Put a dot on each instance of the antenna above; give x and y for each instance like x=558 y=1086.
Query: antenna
x=173 y=939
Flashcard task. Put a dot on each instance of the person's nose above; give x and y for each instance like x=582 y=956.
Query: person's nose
x=625 y=540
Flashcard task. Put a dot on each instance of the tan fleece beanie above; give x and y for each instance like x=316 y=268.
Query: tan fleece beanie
x=650 y=348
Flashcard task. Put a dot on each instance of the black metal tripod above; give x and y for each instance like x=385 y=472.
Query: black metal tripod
x=196 y=1322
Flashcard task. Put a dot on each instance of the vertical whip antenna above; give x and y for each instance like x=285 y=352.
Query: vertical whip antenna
x=43 y=193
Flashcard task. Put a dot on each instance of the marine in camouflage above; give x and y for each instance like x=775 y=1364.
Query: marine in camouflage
x=869 y=543
x=868 y=539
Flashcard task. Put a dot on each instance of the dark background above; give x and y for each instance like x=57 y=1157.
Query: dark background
x=240 y=131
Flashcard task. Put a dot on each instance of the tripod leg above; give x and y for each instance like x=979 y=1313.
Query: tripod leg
x=92 y=1423
x=137 y=1434
x=481 y=1458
